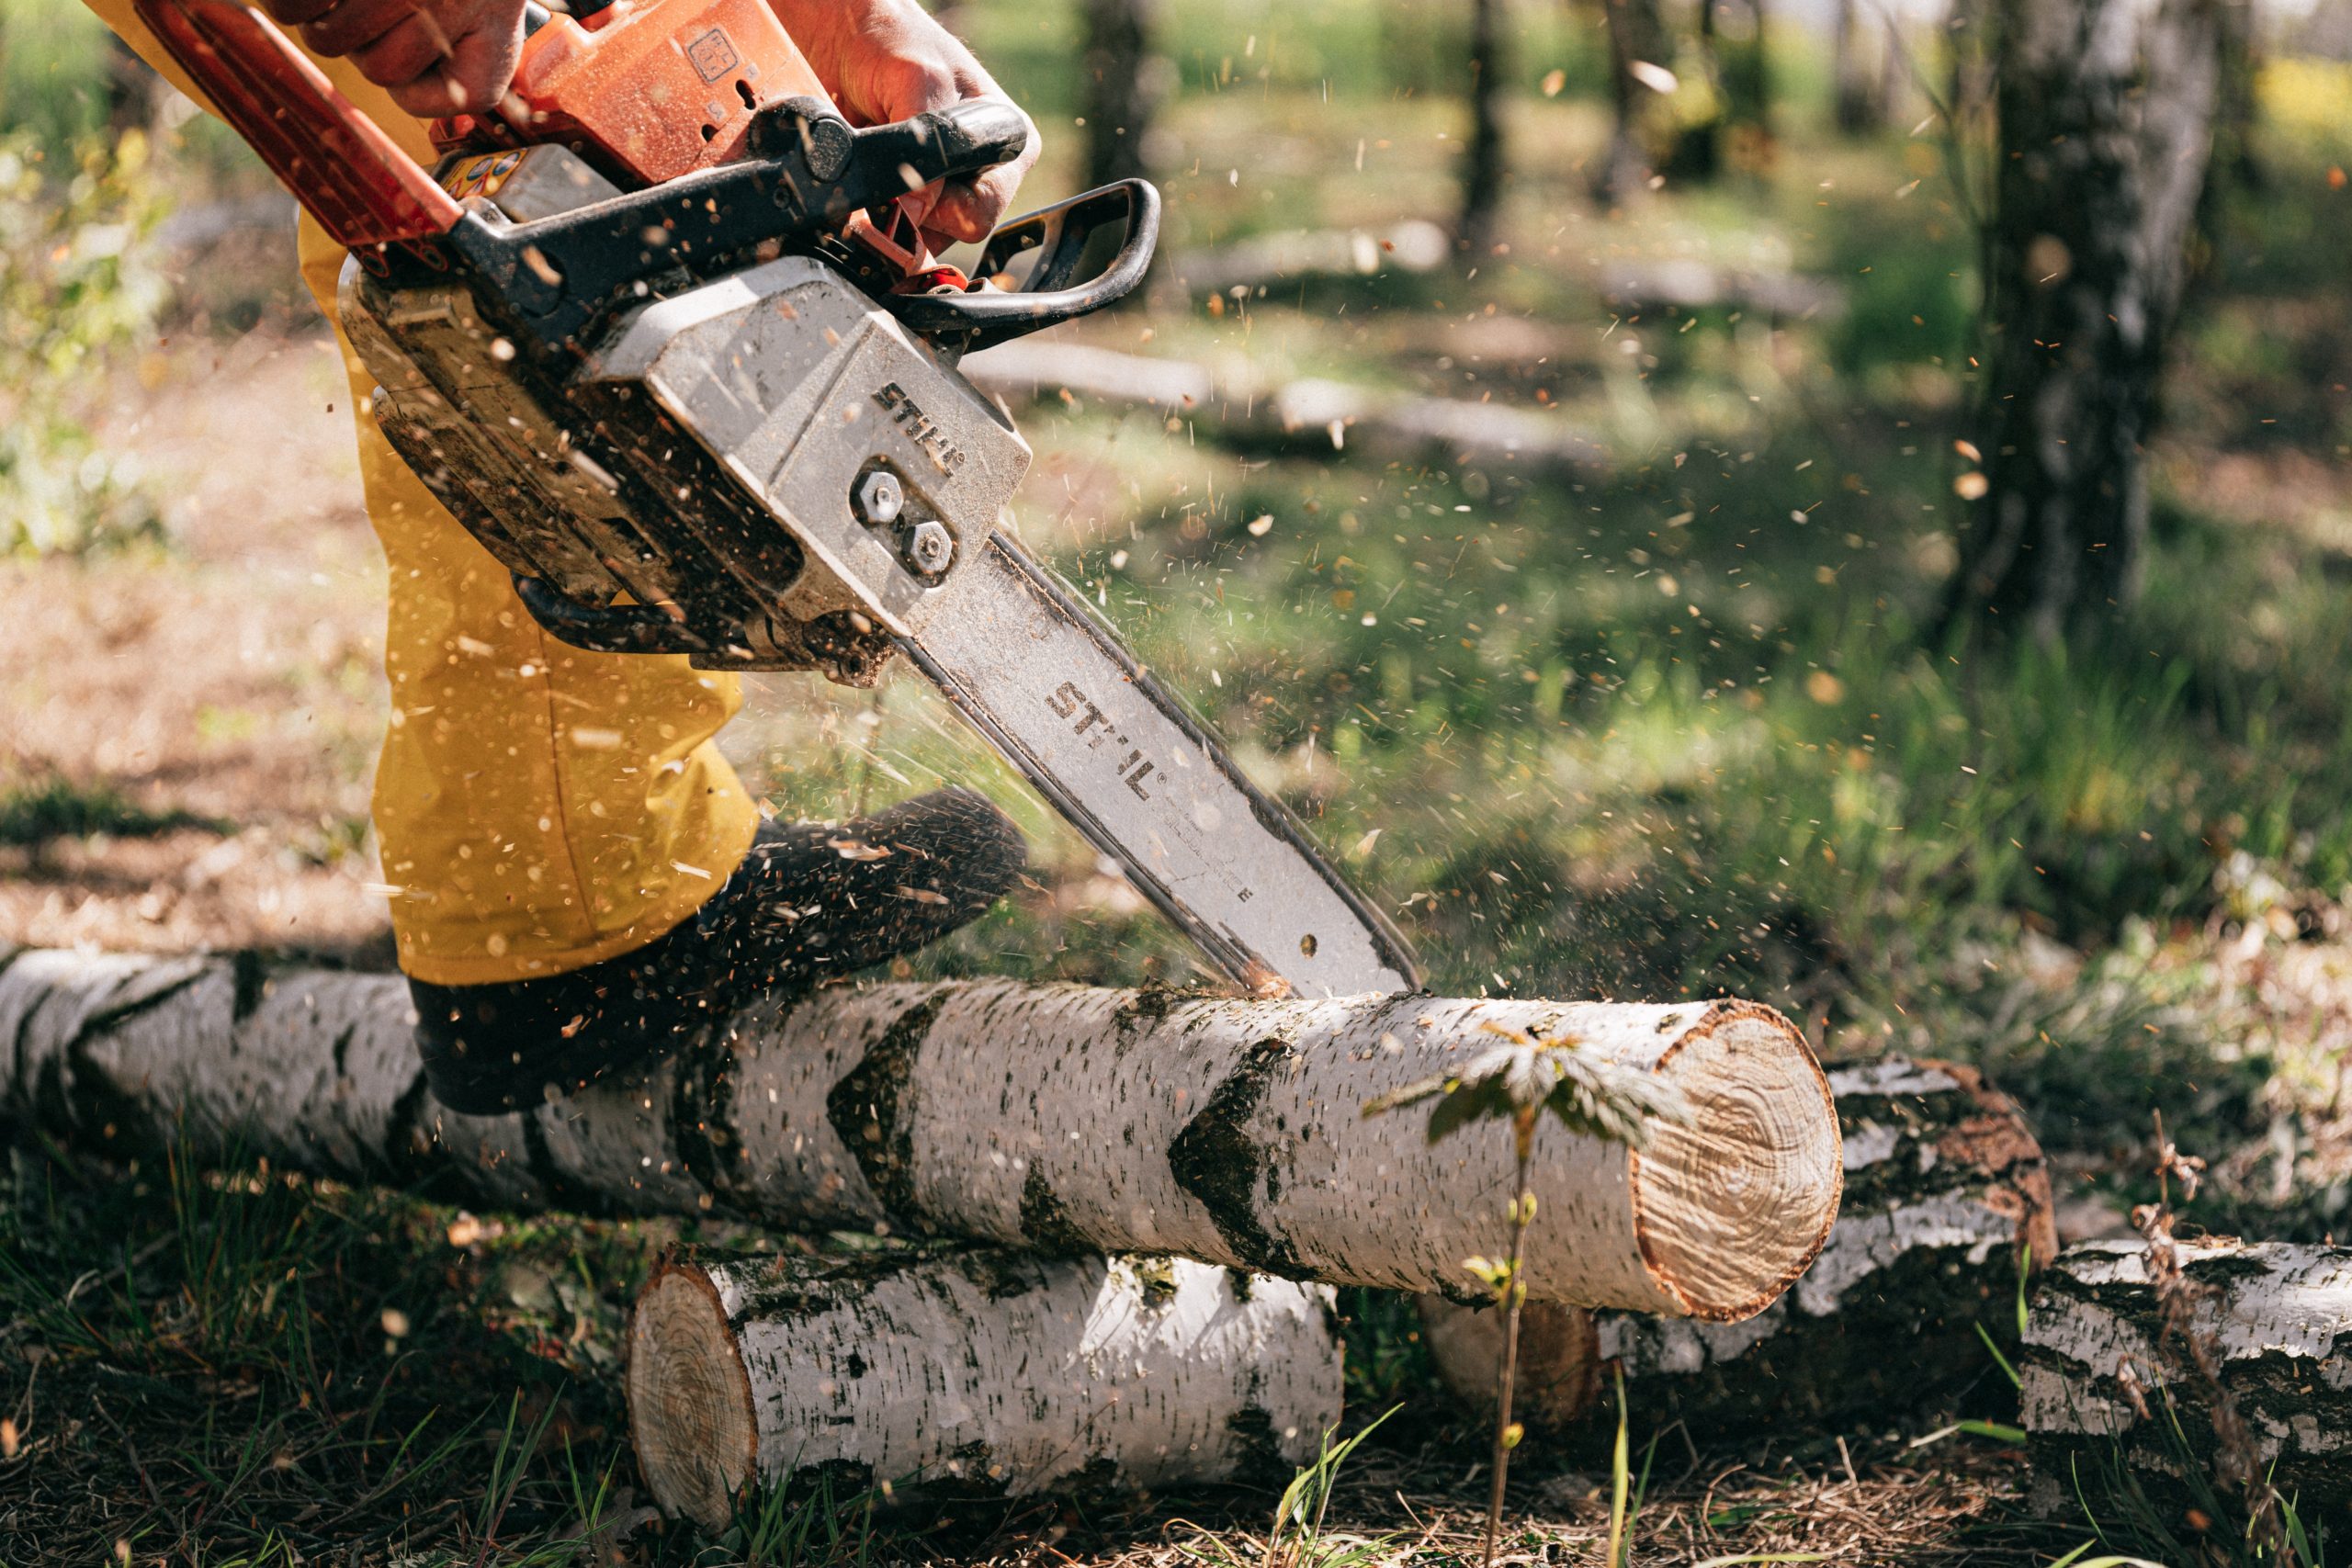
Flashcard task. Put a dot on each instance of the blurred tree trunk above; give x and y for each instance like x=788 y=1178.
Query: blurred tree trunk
x=1636 y=37
x=2106 y=110
x=1120 y=87
x=1484 y=164
x=2233 y=130
x=1738 y=130
x=134 y=93
x=1699 y=148
x=1860 y=79
x=1748 y=81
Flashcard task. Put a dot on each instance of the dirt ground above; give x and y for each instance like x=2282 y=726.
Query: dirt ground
x=234 y=675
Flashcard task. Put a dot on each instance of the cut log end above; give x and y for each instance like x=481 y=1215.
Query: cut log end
x=1731 y=1207
x=689 y=1399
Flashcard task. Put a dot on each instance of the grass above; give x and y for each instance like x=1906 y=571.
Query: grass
x=36 y=814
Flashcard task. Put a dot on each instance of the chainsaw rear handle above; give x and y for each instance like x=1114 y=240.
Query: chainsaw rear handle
x=1062 y=232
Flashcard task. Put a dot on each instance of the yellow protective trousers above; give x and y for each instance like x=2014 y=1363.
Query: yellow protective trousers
x=537 y=807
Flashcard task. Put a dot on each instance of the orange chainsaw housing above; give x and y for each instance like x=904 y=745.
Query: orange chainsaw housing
x=651 y=90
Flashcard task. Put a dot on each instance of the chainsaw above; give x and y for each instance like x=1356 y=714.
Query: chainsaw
x=661 y=333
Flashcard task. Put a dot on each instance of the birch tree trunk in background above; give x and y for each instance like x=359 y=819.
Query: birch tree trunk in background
x=2106 y=110
x=1059 y=1118
x=1947 y=1194
x=1485 y=156
x=1122 y=82
x=975 y=1372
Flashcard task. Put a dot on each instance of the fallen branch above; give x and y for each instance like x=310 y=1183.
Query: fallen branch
x=1308 y=417
x=1414 y=246
x=975 y=1372
x=1059 y=1118
x=1946 y=1191
x=2099 y=1376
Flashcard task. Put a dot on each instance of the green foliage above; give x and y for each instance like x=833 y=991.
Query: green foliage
x=303 y=1366
x=73 y=287
x=1297 y=1537
x=2127 y=1516
x=56 y=69
x=54 y=808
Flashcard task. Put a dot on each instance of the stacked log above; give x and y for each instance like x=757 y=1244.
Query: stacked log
x=975 y=1372
x=2105 y=1387
x=1947 y=1195
x=1059 y=1119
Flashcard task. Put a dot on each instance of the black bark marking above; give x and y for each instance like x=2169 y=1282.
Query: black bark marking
x=1258 y=1455
x=1044 y=1224
x=109 y=1014
x=702 y=1111
x=17 y=1047
x=87 y=1096
x=401 y=1157
x=1216 y=1161
x=342 y=1052
x=252 y=977
x=563 y=1193
x=864 y=1108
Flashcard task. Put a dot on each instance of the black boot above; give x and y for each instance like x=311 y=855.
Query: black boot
x=808 y=903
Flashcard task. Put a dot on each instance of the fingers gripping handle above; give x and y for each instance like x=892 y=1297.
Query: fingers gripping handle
x=339 y=163
x=883 y=162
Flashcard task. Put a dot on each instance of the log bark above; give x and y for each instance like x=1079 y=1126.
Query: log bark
x=2279 y=1318
x=1059 y=1118
x=972 y=1373
x=1946 y=1192
x=2106 y=110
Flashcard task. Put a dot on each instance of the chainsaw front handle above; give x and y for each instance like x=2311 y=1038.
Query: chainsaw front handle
x=1063 y=232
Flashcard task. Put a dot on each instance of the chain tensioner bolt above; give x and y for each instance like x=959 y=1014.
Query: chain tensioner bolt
x=930 y=548
x=878 y=498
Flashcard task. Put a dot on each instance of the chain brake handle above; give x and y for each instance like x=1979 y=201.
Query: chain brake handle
x=356 y=180
x=1063 y=233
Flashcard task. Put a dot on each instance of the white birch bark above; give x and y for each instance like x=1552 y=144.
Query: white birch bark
x=1946 y=1193
x=2279 y=1319
x=1059 y=1118
x=976 y=1371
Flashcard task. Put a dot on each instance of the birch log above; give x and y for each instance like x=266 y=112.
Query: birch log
x=2279 y=1318
x=1059 y=1118
x=1946 y=1193
x=976 y=1372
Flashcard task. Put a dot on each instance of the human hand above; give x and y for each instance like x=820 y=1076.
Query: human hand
x=437 y=57
x=886 y=59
